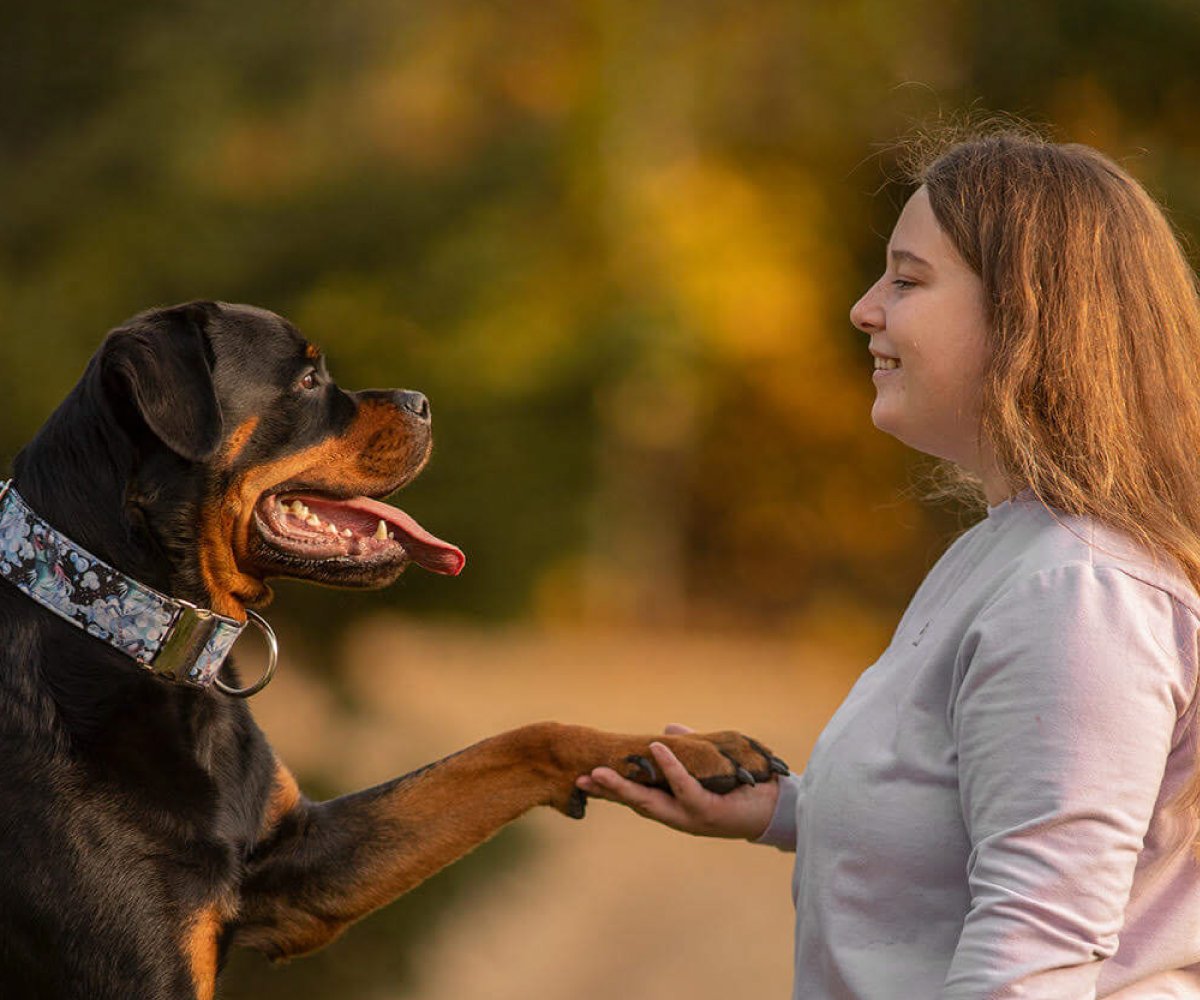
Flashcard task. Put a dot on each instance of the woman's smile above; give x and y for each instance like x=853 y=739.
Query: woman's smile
x=928 y=328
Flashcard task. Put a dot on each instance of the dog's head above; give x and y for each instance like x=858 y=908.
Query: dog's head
x=243 y=460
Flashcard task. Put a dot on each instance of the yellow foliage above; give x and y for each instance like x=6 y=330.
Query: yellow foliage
x=745 y=276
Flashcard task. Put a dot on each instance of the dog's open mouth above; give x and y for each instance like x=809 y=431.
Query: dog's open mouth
x=312 y=527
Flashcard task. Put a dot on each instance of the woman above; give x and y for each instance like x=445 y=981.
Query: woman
x=1004 y=806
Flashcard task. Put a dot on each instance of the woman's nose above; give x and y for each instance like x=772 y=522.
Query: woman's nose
x=866 y=314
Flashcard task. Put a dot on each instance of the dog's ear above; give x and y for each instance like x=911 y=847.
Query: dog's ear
x=161 y=362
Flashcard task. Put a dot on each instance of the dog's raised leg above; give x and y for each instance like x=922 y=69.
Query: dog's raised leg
x=320 y=866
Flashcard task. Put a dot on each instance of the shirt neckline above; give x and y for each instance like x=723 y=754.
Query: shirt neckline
x=1021 y=496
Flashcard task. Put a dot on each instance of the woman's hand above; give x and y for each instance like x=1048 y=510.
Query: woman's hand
x=743 y=813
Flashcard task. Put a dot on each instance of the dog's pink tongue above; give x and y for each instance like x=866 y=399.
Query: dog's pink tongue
x=426 y=551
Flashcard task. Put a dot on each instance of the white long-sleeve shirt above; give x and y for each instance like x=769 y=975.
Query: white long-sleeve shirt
x=990 y=813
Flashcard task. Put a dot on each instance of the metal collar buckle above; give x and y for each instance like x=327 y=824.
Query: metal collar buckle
x=268 y=634
x=191 y=634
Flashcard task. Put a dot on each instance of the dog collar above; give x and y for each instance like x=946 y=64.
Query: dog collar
x=168 y=636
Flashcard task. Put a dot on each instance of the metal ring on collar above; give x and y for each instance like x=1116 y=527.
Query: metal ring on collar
x=272 y=658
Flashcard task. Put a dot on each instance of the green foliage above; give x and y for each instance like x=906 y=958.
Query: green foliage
x=614 y=242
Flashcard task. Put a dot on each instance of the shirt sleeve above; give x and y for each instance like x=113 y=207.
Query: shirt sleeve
x=781 y=831
x=1073 y=681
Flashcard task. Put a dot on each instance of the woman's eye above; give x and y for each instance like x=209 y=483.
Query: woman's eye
x=903 y=283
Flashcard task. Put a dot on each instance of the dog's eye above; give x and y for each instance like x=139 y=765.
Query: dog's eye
x=309 y=381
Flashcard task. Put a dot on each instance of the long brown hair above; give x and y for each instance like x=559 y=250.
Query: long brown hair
x=1092 y=388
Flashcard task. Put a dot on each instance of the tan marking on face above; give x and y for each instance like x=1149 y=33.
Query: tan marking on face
x=230 y=588
x=312 y=352
x=237 y=441
x=370 y=457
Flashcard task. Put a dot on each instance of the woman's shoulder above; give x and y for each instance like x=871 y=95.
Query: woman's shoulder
x=1044 y=539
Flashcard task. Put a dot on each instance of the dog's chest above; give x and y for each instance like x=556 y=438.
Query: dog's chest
x=183 y=790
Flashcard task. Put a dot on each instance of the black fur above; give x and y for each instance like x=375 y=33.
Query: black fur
x=126 y=801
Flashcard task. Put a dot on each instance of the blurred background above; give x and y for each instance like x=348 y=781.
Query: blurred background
x=615 y=243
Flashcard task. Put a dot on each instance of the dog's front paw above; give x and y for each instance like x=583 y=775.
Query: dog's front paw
x=720 y=761
x=559 y=754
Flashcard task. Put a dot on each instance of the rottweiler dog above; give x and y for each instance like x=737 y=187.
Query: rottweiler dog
x=146 y=826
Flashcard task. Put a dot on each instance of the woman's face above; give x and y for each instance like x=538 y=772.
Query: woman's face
x=928 y=328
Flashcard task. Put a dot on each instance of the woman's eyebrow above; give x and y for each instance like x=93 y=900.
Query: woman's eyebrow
x=908 y=257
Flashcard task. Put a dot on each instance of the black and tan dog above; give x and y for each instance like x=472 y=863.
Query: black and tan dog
x=146 y=827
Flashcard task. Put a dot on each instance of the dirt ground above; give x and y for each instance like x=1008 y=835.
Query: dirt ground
x=614 y=907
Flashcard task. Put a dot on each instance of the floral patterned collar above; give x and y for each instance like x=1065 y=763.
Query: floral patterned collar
x=167 y=636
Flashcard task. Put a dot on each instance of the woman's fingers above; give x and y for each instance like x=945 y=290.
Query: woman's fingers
x=686 y=808
x=605 y=783
x=682 y=783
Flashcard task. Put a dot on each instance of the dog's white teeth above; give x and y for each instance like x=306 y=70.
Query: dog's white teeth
x=313 y=521
x=331 y=529
x=392 y=535
x=347 y=533
x=381 y=531
x=298 y=509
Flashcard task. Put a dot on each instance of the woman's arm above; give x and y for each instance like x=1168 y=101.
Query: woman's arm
x=1073 y=684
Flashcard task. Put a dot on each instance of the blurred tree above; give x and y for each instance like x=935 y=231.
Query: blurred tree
x=614 y=241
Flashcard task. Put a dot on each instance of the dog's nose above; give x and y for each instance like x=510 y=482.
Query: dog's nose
x=414 y=402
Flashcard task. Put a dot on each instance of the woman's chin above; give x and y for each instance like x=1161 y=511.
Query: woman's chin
x=884 y=417
x=892 y=423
